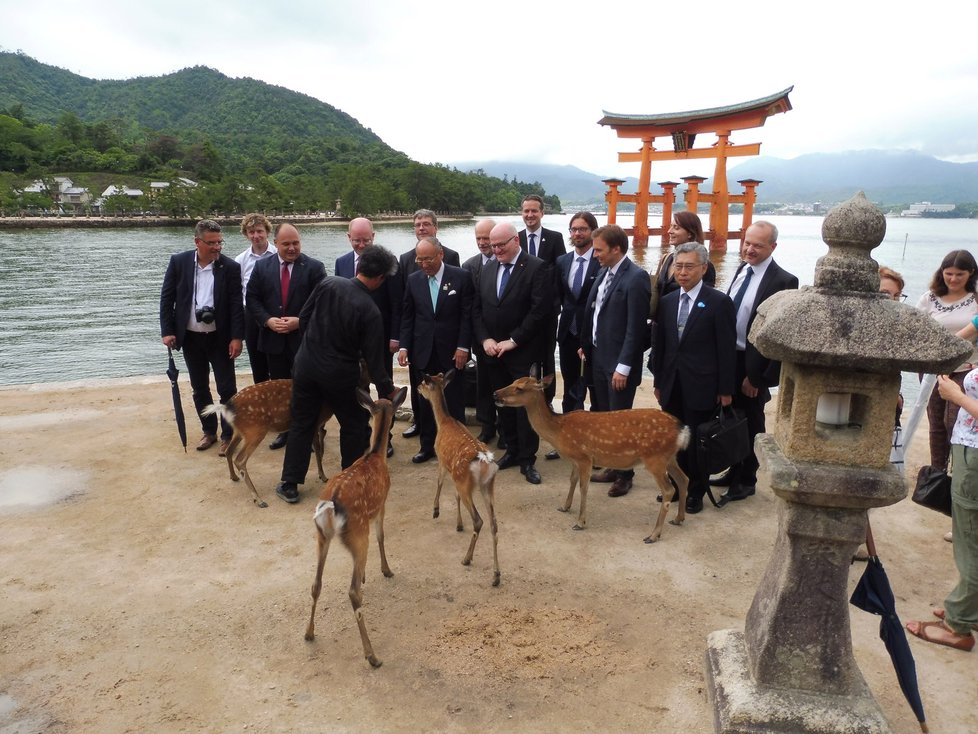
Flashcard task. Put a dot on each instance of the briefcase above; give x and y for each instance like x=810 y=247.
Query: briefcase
x=722 y=441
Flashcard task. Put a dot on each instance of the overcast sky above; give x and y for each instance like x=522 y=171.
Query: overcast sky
x=448 y=81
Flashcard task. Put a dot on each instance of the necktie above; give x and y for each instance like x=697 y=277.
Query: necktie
x=356 y=265
x=285 y=285
x=739 y=298
x=504 y=280
x=605 y=285
x=433 y=288
x=533 y=245
x=578 y=278
x=683 y=312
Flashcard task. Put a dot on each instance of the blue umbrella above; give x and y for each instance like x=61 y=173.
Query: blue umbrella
x=172 y=372
x=873 y=594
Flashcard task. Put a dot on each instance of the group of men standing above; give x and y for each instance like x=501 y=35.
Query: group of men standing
x=510 y=305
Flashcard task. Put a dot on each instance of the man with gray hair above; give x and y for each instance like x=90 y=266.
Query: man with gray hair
x=693 y=360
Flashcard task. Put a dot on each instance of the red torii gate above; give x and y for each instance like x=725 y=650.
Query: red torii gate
x=682 y=128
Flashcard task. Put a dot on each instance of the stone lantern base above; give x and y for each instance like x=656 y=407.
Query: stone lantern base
x=743 y=706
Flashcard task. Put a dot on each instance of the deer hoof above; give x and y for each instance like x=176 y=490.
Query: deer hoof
x=651 y=539
x=676 y=522
x=374 y=661
x=578 y=526
x=434 y=513
x=495 y=579
x=459 y=529
x=562 y=509
x=261 y=503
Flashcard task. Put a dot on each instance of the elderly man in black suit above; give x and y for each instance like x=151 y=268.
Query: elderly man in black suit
x=201 y=313
x=614 y=334
x=277 y=291
x=436 y=333
x=510 y=313
x=576 y=273
x=757 y=279
x=694 y=356
x=548 y=245
x=485 y=407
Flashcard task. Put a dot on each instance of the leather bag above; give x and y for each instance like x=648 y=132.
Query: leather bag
x=722 y=441
x=933 y=489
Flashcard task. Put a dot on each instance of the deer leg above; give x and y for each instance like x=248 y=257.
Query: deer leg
x=232 y=447
x=465 y=493
x=318 y=445
x=682 y=481
x=488 y=492
x=241 y=460
x=575 y=475
x=379 y=530
x=442 y=471
x=584 y=475
x=317 y=585
x=458 y=513
x=356 y=600
x=665 y=486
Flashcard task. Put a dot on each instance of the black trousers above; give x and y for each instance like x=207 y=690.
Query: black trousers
x=514 y=425
x=257 y=360
x=424 y=416
x=485 y=406
x=570 y=370
x=745 y=472
x=688 y=460
x=280 y=365
x=202 y=351
x=604 y=397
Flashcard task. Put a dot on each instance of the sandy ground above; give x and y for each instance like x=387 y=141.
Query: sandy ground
x=142 y=591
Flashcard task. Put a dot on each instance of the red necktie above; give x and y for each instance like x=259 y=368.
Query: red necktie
x=285 y=285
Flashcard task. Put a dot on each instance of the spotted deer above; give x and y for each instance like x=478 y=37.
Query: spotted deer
x=469 y=463
x=349 y=502
x=617 y=439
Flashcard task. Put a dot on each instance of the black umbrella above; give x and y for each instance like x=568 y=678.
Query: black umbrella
x=172 y=372
x=874 y=595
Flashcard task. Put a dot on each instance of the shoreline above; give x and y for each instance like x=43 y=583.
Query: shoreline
x=69 y=222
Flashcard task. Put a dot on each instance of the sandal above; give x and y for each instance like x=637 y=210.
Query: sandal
x=940 y=634
x=939 y=613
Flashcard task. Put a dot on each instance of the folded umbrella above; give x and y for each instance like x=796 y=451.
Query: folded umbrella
x=172 y=372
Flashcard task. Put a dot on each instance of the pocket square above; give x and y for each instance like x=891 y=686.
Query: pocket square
x=451 y=293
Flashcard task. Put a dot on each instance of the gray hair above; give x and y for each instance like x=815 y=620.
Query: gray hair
x=421 y=213
x=702 y=254
x=432 y=240
x=206 y=225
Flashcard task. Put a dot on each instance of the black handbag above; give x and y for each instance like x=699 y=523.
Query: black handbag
x=722 y=441
x=933 y=489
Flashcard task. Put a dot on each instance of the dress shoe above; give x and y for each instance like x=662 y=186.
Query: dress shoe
x=390 y=450
x=605 y=476
x=422 y=456
x=551 y=455
x=501 y=443
x=486 y=435
x=224 y=447
x=412 y=431
x=530 y=472
x=620 y=487
x=288 y=492
x=724 y=480
x=694 y=505
x=280 y=441
x=206 y=441
x=738 y=492
x=507 y=461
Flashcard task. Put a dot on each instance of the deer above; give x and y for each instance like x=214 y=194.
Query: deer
x=467 y=460
x=617 y=439
x=254 y=411
x=349 y=502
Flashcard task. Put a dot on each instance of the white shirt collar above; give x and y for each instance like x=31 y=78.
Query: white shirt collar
x=694 y=292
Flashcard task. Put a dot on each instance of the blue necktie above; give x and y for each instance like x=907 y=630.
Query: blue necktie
x=433 y=288
x=739 y=298
x=533 y=245
x=578 y=278
x=683 y=312
x=504 y=280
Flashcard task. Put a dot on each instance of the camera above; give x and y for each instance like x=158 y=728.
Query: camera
x=205 y=315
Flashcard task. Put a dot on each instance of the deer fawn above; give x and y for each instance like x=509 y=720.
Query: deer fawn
x=252 y=413
x=617 y=439
x=469 y=462
x=350 y=501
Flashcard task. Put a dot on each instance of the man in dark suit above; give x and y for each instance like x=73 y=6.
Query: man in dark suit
x=511 y=308
x=757 y=279
x=201 y=312
x=257 y=229
x=485 y=406
x=548 y=245
x=340 y=325
x=613 y=334
x=425 y=225
x=576 y=272
x=693 y=360
x=436 y=333
x=277 y=291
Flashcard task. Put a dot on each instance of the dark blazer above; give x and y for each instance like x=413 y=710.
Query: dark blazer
x=522 y=312
x=761 y=371
x=549 y=248
x=623 y=320
x=177 y=297
x=405 y=266
x=569 y=305
x=704 y=360
x=387 y=296
x=265 y=299
x=431 y=335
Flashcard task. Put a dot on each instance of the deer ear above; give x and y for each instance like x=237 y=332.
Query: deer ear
x=425 y=377
x=448 y=376
x=547 y=380
x=534 y=371
x=363 y=397
x=399 y=397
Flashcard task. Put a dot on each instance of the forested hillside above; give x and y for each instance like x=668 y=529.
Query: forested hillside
x=250 y=144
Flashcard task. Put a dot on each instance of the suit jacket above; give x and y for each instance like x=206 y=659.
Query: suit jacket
x=265 y=299
x=387 y=296
x=431 y=335
x=622 y=321
x=569 y=305
x=704 y=360
x=521 y=313
x=177 y=297
x=761 y=371
x=549 y=248
x=405 y=266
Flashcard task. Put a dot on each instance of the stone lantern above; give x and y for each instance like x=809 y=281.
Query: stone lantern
x=842 y=346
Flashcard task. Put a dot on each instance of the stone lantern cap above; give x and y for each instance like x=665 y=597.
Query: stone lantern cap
x=843 y=321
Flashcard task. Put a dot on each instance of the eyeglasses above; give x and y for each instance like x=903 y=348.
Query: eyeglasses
x=580 y=230
x=501 y=245
x=424 y=260
x=686 y=266
x=362 y=242
x=219 y=243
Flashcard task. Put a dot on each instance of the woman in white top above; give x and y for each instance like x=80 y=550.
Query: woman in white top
x=951 y=302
